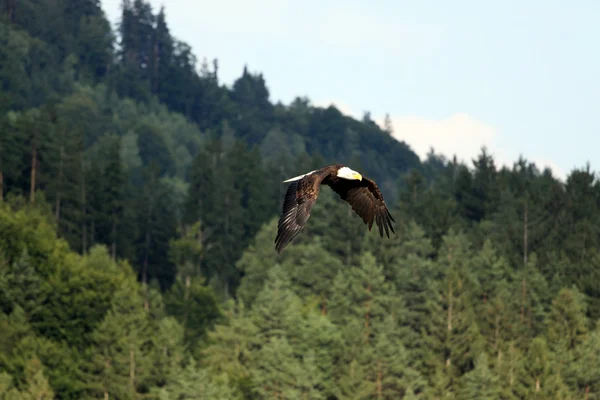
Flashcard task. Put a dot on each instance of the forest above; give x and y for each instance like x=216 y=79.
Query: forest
x=139 y=198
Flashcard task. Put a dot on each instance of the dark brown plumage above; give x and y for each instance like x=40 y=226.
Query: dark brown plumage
x=361 y=193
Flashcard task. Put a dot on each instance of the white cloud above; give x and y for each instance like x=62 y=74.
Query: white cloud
x=459 y=134
x=542 y=163
x=344 y=108
x=462 y=135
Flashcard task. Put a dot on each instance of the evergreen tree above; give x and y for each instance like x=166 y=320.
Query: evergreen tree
x=481 y=382
x=195 y=383
x=453 y=335
x=230 y=351
x=583 y=374
x=121 y=359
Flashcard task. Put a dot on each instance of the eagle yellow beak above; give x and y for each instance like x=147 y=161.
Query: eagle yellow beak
x=357 y=176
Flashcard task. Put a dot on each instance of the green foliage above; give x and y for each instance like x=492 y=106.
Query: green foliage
x=481 y=382
x=195 y=384
x=139 y=199
x=195 y=307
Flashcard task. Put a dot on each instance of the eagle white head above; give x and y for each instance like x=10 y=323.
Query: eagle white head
x=347 y=173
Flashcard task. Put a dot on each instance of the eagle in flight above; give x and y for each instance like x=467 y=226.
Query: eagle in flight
x=361 y=193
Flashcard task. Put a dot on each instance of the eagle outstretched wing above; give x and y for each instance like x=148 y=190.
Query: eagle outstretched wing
x=367 y=201
x=297 y=206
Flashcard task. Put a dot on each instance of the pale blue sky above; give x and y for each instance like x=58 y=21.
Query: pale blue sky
x=521 y=77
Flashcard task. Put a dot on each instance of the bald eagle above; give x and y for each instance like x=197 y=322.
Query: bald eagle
x=361 y=193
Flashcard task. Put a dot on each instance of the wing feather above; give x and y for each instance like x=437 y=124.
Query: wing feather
x=299 y=200
x=366 y=201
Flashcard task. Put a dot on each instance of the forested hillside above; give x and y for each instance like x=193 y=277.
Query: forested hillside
x=139 y=199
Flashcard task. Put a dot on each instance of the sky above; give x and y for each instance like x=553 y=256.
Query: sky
x=518 y=77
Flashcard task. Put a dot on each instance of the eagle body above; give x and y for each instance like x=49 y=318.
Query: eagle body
x=361 y=193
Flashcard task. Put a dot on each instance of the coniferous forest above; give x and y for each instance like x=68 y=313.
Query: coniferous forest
x=139 y=199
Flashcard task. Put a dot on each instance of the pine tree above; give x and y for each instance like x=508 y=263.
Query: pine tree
x=406 y=262
x=10 y=150
x=121 y=359
x=566 y=322
x=387 y=125
x=395 y=375
x=312 y=272
x=230 y=351
x=136 y=32
x=353 y=382
x=21 y=285
x=495 y=306
x=530 y=291
x=453 y=336
x=583 y=374
x=481 y=382
x=277 y=308
x=276 y=370
x=367 y=309
x=196 y=308
x=157 y=224
x=433 y=207
x=362 y=293
x=37 y=384
x=194 y=383
x=542 y=377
